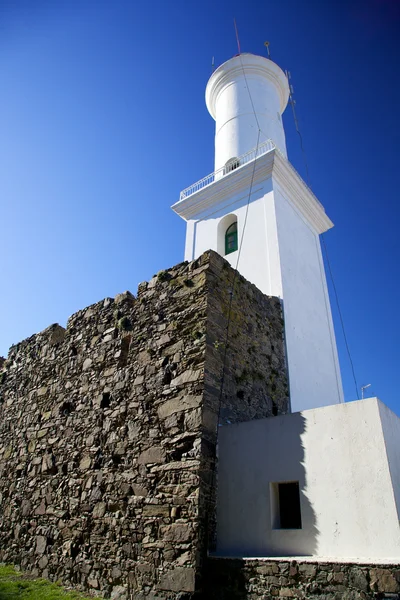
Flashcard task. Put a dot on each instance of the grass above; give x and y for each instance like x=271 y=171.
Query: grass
x=17 y=586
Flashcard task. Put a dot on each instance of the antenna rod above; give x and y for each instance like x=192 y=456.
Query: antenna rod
x=292 y=103
x=266 y=44
x=364 y=387
x=237 y=36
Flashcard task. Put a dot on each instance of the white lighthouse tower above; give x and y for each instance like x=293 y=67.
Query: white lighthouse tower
x=257 y=204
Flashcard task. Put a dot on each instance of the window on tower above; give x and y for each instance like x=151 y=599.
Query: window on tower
x=231 y=165
x=231 y=238
x=227 y=234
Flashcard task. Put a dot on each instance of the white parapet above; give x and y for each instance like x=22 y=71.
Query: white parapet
x=346 y=461
x=240 y=87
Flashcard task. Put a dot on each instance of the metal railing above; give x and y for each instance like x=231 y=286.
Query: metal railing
x=225 y=170
x=238 y=162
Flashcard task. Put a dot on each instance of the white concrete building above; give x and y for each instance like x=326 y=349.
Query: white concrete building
x=322 y=482
x=257 y=206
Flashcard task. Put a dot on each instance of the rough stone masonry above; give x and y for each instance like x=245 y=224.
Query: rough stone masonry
x=108 y=429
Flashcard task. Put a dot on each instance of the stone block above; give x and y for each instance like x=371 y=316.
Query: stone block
x=180 y=579
x=357 y=578
x=307 y=571
x=41 y=544
x=87 y=363
x=156 y=454
x=119 y=593
x=383 y=581
x=85 y=463
x=187 y=377
x=267 y=569
x=139 y=490
x=155 y=510
x=292 y=592
x=178 y=532
x=99 y=510
x=178 y=405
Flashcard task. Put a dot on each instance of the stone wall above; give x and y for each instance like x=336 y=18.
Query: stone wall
x=108 y=429
x=237 y=579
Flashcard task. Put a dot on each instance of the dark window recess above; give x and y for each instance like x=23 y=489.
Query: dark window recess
x=231 y=239
x=123 y=357
x=105 y=401
x=116 y=459
x=289 y=505
x=231 y=165
x=66 y=408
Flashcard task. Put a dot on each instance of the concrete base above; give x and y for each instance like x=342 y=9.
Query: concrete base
x=346 y=459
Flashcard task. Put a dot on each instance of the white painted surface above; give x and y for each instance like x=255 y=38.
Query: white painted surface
x=256 y=254
x=232 y=106
x=338 y=454
x=281 y=255
x=314 y=371
x=353 y=560
x=390 y=429
x=280 y=249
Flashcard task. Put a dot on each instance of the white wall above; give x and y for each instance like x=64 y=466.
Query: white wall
x=338 y=455
x=259 y=257
x=281 y=255
x=390 y=429
x=310 y=337
x=281 y=252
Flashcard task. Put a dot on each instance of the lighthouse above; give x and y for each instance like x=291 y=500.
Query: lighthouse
x=257 y=212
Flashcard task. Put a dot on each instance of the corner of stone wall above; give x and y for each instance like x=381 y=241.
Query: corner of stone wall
x=245 y=374
x=100 y=442
x=108 y=428
x=244 y=347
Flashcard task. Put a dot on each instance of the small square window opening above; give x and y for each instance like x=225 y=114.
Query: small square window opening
x=285 y=505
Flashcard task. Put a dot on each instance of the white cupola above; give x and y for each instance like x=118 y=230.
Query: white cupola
x=240 y=87
x=256 y=201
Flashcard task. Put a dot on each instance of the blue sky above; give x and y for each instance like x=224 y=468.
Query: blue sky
x=103 y=122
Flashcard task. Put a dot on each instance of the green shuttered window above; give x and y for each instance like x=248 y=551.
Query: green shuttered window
x=231 y=239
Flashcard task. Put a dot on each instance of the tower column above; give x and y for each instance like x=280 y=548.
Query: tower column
x=240 y=87
x=265 y=209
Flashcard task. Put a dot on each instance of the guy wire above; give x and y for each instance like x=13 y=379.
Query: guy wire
x=328 y=262
x=231 y=292
x=292 y=102
x=226 y=345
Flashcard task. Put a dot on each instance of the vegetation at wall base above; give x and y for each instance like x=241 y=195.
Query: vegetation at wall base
x=18 y=586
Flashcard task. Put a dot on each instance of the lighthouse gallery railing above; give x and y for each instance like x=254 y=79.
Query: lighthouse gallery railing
x=238 y=162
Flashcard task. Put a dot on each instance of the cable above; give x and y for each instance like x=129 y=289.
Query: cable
x=232 y=292
x=226 y=342
x=293 y=102
x=235 y=273
x=240 y=245
x=251 y=99
x=328 y=262
x=296 y=124
x=242 y=236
